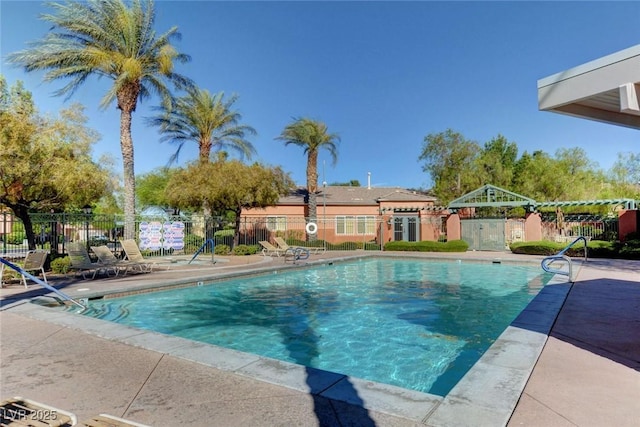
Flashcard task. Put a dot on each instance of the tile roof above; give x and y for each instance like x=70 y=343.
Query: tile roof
x=337 y=195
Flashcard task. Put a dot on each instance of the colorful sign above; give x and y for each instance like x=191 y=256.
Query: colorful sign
x=155 y=235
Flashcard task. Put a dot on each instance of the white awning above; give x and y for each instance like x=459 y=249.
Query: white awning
x=605 y=90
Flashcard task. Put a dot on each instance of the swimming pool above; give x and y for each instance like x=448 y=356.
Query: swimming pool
x=417 y=324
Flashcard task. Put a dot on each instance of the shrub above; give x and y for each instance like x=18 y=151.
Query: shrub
x=630 y=249
x=10 y=274
x=245 y=250
x=371 y=246
x=344 y=246
x=16 y=238
x=222 y=250
x=542 y=247
x=224 y=237
x=428 y=246
x=192 y=243
x=595 y=249
x=609 y=236
x=61 y=265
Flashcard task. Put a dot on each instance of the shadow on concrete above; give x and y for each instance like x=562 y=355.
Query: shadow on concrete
x=328 y=412
x=616 y=265
x=602 y=316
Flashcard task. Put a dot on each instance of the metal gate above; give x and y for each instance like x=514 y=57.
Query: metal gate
x=484 y=234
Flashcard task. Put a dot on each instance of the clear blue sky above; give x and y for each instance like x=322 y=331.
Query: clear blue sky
x=382 y=75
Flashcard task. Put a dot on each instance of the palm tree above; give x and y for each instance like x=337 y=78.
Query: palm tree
x=311 y=135
x=207 y=120
x=106 y=38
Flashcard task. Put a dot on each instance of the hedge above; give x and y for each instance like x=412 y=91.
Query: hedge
x=344 y=246
x=630 y=249
x=428 y=246
x=246 y=250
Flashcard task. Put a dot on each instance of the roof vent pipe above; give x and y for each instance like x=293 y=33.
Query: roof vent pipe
x=368 y=180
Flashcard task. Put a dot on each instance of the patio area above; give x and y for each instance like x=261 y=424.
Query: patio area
x=588 y=373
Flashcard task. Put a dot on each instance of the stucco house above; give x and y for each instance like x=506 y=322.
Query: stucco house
x=360 y=214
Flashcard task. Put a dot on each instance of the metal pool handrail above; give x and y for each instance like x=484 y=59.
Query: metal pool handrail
x=212 y=244
x=40 y=282
x=296 y=253
x=560 y=256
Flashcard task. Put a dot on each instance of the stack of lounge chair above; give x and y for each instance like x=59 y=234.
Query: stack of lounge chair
x=283 y=245
x=82 y=263
x=107 y=258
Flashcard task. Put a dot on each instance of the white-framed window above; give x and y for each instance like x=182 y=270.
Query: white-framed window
x=355 y=224
x=277 y=223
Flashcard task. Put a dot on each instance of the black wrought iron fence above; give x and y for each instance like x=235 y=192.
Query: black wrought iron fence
x=184 y=234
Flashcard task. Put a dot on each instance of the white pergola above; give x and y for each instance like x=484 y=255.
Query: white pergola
x=606 y=90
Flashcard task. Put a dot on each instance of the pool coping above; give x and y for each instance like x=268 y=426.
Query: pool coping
x=487 y=394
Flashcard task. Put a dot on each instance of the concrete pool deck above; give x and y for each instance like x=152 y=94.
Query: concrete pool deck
x=587 y=371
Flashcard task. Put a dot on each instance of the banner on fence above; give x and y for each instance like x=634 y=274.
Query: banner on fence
x=156 y=235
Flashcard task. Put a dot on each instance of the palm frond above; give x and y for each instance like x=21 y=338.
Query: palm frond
x=207 y=120
x=311 y=135
x=105 y=38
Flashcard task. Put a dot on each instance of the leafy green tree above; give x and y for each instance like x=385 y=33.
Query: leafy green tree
x=626 y=169
x=311 y=136
x=107 y=38
x=623 y=179
x=535 y=177
x=112 y=201
x=450 y=159
x=579 y=177
x=496 y=162
x=45 y=163
x=227 y=186
x=150 y=187
x=207 y=120
x=570 y=175
x=457 y=166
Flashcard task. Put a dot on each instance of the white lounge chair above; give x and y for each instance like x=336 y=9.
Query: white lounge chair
x=107 y=258
x=82 y=263
x=33 y=261
x=282 y=244
x=133 y=254
x=269 y=249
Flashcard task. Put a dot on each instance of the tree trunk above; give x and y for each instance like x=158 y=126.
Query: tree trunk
x=23 y=213
x=236 y=231
x=127 y=98
x=312 y=188
x=313 y=215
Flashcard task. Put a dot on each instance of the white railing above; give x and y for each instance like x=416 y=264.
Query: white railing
x=560 y=256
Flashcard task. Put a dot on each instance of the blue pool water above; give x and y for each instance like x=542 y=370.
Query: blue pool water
x=412 y=323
